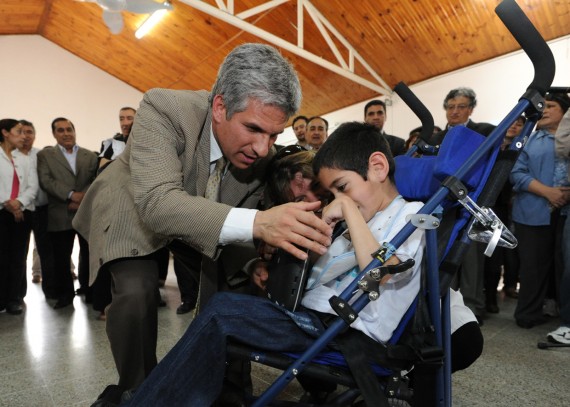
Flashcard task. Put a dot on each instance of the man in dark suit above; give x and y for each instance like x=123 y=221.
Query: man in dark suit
x=375 y=114
x=459 y=104
x=65 y=171
x=193 y=171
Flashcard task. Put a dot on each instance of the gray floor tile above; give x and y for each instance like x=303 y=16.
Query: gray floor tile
x=62 y=358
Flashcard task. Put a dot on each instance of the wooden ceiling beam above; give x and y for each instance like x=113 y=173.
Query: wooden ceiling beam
x=45 y=16
x=343 y=69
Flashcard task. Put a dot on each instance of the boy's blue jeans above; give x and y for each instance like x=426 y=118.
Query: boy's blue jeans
x=192 y=373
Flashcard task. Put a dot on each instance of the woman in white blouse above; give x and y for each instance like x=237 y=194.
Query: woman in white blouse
x=18 y=189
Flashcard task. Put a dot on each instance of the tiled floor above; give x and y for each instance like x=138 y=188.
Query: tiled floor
x=62 y=358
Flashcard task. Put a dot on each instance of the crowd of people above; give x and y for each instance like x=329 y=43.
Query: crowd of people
x=196 y=174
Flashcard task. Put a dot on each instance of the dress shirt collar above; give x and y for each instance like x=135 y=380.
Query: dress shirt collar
x=215 y=150
x=64 y=151
x=449 y=126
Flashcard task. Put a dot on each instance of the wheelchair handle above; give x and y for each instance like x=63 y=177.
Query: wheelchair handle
x=419 y=109
x=531 y=42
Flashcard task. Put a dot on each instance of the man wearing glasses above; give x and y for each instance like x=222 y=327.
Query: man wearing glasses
x=459 y=104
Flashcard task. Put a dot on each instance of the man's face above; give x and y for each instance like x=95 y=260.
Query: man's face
x=515 y=128
x=126 y=118
x=29 y=137
x=248 y=135
x=317 y=132
x=551 y=117
x=458 y=110
x=299 y=129
x=376 y=116
x=64 y=134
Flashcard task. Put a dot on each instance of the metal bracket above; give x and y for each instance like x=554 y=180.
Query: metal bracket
x=343 y=309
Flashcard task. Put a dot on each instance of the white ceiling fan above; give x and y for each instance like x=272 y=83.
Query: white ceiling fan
x=112 y=10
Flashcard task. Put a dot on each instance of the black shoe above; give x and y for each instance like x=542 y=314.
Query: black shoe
x=63 y=302
x=82 y=291
x=14 y=309
x=185 y=308
x=523 y=323
x=161 y=303
x=492 y=308
x=110 y=397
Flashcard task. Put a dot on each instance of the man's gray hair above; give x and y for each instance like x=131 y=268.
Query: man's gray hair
x=257 y=71
x=467 y=92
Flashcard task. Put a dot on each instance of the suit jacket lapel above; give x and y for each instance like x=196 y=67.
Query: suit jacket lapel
x=202 y=157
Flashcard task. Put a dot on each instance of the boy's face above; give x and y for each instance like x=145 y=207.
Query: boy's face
x=363 y=192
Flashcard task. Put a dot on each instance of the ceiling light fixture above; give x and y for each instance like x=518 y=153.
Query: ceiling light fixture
x=152 y=20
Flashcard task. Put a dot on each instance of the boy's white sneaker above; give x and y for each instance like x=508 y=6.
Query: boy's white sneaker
x=561 y=335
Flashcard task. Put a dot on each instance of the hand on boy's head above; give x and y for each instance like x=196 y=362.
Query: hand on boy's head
x=293 y=224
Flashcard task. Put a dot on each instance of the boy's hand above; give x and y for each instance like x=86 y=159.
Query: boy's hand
x=260 y=274
x=333 y=212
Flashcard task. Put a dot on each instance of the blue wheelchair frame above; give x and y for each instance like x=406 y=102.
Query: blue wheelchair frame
x=532 y=105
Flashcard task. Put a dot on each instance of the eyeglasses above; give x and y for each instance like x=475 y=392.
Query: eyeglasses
x=451 y=108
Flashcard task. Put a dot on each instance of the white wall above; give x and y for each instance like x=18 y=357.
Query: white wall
x=41 y=81
x=498 y=83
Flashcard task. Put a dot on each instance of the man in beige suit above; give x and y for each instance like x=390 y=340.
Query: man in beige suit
x=155 y=192
x=65 y=171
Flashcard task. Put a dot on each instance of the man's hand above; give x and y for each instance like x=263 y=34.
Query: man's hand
x=72 y=207
x=13 y=206
x=77 y=197
x=293 y=224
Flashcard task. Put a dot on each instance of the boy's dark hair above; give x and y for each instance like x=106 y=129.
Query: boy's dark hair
x=349 y=147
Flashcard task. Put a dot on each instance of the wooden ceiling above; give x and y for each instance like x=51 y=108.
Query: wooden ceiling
x=402 y=40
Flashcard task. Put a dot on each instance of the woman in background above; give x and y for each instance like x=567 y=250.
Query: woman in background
x=18 y=189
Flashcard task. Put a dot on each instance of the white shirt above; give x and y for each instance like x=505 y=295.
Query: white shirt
x=27 y=175
x=118 y=147
x=41 y=197
x=460 y=313
x=336 y=269
x=70 y=157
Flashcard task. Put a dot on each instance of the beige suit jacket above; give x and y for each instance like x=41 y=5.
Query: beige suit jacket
x=153 y=193
x=57 y=179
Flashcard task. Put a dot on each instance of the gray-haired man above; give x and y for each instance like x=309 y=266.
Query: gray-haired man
x=154 y=193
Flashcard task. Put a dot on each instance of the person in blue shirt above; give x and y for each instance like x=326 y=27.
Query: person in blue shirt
x=536 y=210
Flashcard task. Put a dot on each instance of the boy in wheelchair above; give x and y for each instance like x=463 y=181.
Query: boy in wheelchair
x=356 y=165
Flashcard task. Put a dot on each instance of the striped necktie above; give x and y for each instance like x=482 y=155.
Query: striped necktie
x=214 y=181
